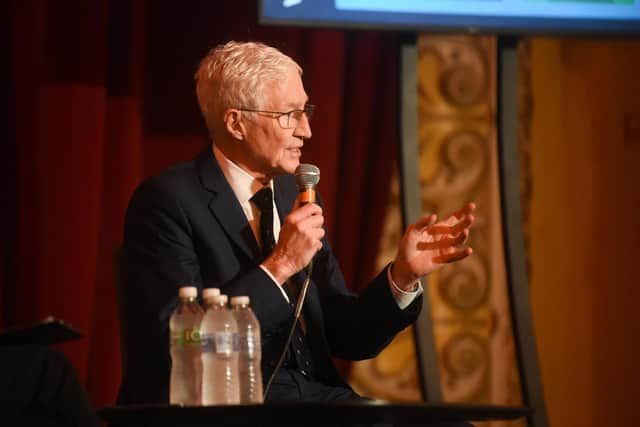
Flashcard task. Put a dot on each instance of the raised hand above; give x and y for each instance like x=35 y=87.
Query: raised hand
x=428 y=245
x=300 y=238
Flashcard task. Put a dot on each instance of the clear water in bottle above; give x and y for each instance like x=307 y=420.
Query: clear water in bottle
x=219 y=356
x=185 y=348
x=250 y=373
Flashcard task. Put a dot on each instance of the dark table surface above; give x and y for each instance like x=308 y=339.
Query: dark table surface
x=307 y=413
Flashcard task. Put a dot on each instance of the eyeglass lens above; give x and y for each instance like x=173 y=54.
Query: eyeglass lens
x=292 y=119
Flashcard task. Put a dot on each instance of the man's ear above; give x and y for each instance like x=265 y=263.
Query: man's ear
x=233 y=124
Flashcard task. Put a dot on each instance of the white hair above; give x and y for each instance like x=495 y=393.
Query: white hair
x=235 y=75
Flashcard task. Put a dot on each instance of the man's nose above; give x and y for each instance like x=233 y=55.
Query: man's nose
x=303 y=128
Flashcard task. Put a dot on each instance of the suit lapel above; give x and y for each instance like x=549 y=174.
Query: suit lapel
x=285 y=194
x=224 y=205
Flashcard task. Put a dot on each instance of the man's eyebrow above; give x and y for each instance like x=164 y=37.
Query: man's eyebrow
x=296 y=106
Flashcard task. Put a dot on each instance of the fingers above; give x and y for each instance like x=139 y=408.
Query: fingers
x=307 y=216
x=425 y=221
x=299 y=240
x=445 y=242
x=454 y=224
x=465 y=210
x=446 y=258
x=305 y=225
x=429 y=243
x=304 y=211
x=458 y=227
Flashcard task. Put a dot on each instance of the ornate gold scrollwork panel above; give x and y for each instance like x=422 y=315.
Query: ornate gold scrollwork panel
x=457 y=147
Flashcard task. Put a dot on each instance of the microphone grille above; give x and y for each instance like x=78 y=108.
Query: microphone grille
x=307 y=176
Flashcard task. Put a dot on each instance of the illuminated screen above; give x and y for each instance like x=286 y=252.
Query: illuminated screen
x=489 y=16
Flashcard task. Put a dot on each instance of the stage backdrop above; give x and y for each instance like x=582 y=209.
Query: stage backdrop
x=101 y=95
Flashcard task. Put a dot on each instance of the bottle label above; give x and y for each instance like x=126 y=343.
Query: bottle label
x=184 y=337
x=219 y=343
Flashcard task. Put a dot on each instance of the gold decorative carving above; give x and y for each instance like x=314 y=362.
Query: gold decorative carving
x=457 y=148
x=393 y=375
x=466 y=287
x=464 y=356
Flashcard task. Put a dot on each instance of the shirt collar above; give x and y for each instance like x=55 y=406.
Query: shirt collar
x=244 y=186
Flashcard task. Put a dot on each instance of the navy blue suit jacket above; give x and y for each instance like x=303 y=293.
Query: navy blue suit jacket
x=185 y=226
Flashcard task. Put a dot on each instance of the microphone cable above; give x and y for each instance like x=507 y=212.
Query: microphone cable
x=296 y=318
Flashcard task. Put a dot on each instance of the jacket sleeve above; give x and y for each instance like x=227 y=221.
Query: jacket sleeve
x=358 y=326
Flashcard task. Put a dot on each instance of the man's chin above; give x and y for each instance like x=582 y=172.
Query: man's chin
x=290 y=167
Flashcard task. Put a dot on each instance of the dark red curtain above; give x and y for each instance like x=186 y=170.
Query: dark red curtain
x=100 y=95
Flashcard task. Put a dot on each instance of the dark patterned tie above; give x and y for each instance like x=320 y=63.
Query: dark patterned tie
x=263 y=199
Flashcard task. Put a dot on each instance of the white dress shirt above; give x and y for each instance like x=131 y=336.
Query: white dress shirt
x=244 y=186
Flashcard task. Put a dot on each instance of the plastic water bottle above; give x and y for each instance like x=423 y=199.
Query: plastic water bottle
x=185 y=347
x=250 y=374
x=219 y=356
x=209 y=296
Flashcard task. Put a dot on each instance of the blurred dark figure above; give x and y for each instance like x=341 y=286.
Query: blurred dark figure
x=40 y=388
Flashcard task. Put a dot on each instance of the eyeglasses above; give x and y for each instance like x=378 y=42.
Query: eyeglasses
x=288 y=119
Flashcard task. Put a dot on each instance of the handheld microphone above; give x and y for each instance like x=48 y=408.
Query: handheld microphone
x=307 y=177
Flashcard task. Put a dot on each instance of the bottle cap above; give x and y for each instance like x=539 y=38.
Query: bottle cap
x=222 y=299
x=188 y=292
x=210 y=293
x=240 y=300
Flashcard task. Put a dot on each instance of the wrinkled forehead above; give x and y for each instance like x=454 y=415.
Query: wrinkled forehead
x=287 y=92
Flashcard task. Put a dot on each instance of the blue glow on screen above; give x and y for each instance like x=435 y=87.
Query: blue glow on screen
x=580 y=9
x=495 y=16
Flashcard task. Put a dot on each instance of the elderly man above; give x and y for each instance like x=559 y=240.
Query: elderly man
x=202 y=222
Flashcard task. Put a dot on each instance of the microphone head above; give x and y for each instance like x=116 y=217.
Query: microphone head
x=307 y=176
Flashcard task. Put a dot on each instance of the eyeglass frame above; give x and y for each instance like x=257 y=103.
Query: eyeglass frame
x=307 y=111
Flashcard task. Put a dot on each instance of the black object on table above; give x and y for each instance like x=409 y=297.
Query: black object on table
x=48 y=331
x=306 y=413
